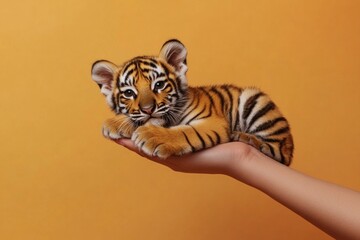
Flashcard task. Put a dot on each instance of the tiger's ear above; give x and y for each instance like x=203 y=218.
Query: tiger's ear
x=174 y=53
x=103 y=73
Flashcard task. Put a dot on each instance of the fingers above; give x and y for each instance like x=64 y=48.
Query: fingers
x=129 y=145
x=211 y=161
x=126 y=143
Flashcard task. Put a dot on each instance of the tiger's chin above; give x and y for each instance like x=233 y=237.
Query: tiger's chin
x=155 y=121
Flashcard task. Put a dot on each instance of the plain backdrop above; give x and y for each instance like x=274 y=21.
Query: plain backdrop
x=60 y=179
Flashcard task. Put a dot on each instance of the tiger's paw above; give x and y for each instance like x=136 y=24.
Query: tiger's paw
x=110 y=132
x=157 y=141
x=114 y=129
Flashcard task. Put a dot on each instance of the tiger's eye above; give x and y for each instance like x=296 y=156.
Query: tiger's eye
x=159 y=85
x=129 y=93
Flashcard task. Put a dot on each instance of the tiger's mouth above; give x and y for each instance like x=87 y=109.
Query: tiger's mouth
x=149 y=119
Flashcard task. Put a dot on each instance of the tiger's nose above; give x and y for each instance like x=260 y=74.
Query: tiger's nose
x=148 y=109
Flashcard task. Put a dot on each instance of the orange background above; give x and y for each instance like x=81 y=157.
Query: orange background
x=60 y=179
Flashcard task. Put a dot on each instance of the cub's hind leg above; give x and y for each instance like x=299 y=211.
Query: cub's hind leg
x=253 y=141
x=278 y=149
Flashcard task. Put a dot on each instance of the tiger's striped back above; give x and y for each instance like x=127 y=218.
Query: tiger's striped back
x=248 y=111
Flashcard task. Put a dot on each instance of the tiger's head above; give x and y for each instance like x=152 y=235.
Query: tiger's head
x=146 y=88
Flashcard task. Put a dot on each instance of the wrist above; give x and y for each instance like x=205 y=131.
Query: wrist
x=249 y=165
x=240 y=161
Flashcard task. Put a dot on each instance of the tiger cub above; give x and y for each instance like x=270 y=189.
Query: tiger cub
x=164 y=116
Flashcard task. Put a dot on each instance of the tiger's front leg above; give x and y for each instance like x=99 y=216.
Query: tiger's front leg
x=119 y=126
x=178 y=140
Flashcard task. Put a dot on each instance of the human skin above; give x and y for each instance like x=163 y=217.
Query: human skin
x=332 y=208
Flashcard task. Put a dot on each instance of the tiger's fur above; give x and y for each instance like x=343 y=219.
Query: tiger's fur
x=164 y=116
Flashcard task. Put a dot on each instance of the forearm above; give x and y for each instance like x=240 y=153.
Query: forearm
x=334 y=209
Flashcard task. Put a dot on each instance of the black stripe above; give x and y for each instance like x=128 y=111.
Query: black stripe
x=271 y=149
x=172 y=82
x=127 y=67
x=282 y=158
x=165 y=69
x=231 y=105
x=267 y=125
x=152 y=60
x=249 y=105
x=209 y=96
x=271 y=140
x=222 y=100
x=117 y=79
x=190 y=110
x=146 y=70
x=151 y=64
x=159 y=75
x=203 y=110
x=128 y=74
x=279 y=131
x=117 y=99
x=237 y=118
x=218 y=139
x=200 y=138
x=268 y=107
x=211 y=140
x=209 y=114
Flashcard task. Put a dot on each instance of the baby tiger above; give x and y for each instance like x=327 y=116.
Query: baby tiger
x=164 y=116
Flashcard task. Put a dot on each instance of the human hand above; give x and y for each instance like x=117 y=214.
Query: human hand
x=309 y=197
x=221 y=159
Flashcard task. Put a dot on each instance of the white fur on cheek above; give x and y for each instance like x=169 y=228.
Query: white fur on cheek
x=109 y=100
